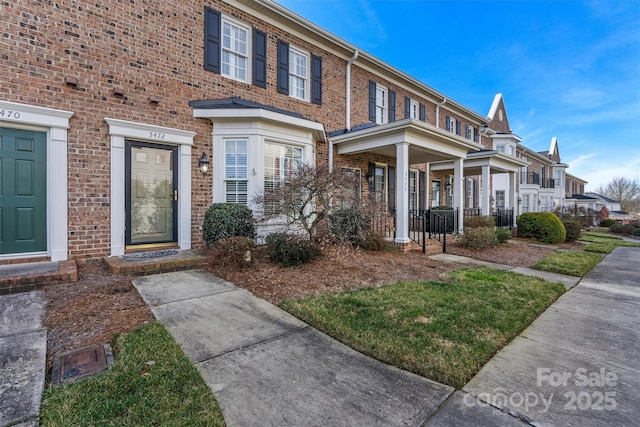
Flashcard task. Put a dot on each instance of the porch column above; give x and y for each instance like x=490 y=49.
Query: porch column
x=512 y=195
x=485 y=203
x=402 y=193
x=458 y=190
x=427 y=183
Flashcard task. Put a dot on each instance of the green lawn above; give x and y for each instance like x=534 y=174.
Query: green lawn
x=606 y=238
x=572 y=263
x=599 y=248
x=445 y=331
x=152 y=382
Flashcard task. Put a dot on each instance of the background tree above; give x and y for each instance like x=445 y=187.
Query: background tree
x=624 y=190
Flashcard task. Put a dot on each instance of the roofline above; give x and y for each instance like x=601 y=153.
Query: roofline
x=364 y=58
x=575 y=178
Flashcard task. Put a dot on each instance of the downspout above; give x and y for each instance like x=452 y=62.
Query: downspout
x=348 y=91
x=444 y=101
x=347 y=105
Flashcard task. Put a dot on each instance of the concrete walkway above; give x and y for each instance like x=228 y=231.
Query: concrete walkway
x=578 y=364
x=267 y=368
x=23 y=350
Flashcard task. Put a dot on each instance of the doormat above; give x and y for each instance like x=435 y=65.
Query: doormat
x=152 y=254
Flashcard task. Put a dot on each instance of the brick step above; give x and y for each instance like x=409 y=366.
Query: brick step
x=26 y=277
x=183 y=260
x=432 y=247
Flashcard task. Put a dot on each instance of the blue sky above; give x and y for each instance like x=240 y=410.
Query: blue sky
x=569 y=69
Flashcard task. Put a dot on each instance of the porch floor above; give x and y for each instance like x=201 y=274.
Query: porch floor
x=141 y=266
x=30 y=276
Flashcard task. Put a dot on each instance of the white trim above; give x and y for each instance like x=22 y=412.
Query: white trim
x=306 y=77
x=55 y=124
x=382 y=103
x=249 y=54
x=119 y=130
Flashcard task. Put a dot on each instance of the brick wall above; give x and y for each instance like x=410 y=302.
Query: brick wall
x=147 y=49
x=153 y=49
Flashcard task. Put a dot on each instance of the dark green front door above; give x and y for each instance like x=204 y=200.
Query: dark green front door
x=23 y=191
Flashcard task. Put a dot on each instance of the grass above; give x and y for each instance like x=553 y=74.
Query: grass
x=605 y=238
x=599 y=248
x=572 y=263
x=151 y=382
x=445 y=331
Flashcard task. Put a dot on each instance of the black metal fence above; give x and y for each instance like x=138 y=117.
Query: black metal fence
x=434 y=223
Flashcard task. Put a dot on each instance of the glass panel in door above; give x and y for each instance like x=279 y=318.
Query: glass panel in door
x=152 y=194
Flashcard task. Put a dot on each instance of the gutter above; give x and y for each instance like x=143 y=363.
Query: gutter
x=347 y=104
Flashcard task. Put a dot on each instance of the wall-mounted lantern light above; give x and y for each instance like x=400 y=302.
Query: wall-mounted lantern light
x=369 y=177
x=204 y=164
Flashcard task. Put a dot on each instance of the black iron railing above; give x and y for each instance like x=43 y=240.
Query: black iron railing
x=503 y=217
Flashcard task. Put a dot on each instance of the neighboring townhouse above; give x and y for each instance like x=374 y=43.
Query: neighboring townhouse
x=573 y=185
x=604 y=207
x=122 y=122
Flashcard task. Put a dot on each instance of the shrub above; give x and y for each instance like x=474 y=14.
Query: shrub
x=227 y=220
x=635 y=223
x=503 y=234
x=479 y=221
x=290 y=250
x=351 y=224
x=479 y=238
x=607 y=222
x=573 y=229
x=621 y=228
x=373 y=241
x=234 y=251
x=543 y=226
x=636 y=232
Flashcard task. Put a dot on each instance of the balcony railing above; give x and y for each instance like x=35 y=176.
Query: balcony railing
x=533 y=178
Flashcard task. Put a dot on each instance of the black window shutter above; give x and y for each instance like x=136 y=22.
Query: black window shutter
x=283 y=67
x=448 y=124
x=423 y=112
x=316 y=81
x=259 y=58
x=372 y=100
x=458 y=127
x=392 y=188
x=211 y=40
x=371 y=174
x=407 y=107
x=423 y=190
x=392 y=106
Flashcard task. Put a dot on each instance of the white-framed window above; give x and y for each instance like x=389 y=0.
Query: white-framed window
x=500 y=199
x=280 y=163
x=414 y=109
x=526 y=199
x=469 y=184
x=558 y=177
x=298 y=74
x=235 y=171
x=435 y=193
x=451 y=124
x=380 y=182
x=468 y=132
x=382 y=115
x=500 y=148
x=512 y=150
x=413 y=189
x=235 y=50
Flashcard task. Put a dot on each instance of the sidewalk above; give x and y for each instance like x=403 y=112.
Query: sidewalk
x=267 y=368
x=23 y=349
x=578 y=364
